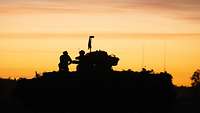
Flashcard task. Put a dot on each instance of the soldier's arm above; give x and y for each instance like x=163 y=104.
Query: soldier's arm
x=70 y=60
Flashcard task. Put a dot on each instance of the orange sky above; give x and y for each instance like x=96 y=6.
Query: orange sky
x=25 y=24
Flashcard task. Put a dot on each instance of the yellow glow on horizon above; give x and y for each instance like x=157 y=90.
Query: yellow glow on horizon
x=23 y=54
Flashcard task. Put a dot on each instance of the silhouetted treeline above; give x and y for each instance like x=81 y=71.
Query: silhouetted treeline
x=114 y=91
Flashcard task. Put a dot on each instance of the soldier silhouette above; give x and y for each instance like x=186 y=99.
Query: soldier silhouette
x=65 y=60
x=80 y=60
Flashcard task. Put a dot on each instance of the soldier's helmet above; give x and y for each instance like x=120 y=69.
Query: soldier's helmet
x=81 y=52
x=65 y=53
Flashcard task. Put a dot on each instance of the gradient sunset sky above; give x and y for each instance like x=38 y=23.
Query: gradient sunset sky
x=28 y=29
x=135 y=16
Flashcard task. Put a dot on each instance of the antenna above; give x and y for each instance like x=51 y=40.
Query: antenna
x=165 y=56
x=143 y=66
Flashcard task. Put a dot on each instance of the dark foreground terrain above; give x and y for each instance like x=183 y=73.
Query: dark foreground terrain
x=75 y=92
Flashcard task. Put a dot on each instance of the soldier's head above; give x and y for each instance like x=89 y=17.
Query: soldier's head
x=65 y=53
x=82 y=53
